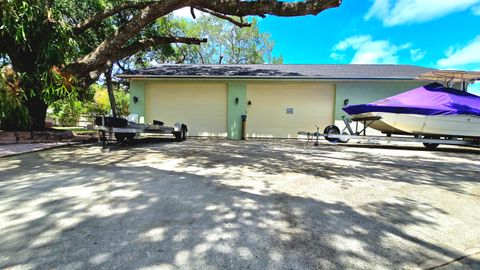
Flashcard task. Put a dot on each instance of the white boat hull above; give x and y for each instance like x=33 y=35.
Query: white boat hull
x=447 y=125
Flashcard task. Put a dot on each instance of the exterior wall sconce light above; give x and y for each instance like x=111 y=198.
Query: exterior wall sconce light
x=236 y=100
x=249 y=102
x=345 y=102
x=135 y=99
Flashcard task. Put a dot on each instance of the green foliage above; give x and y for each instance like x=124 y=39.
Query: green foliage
x=227 y=43
x=101 y=102
x=38 y=39
x=11 y=97
x=123 y=102
x=37 y=28
x=164 y=26
x=68 y=112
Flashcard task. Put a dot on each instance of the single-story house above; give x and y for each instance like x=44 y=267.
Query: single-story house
x=278 y=100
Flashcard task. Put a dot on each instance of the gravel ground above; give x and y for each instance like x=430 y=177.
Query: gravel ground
x=218 y=204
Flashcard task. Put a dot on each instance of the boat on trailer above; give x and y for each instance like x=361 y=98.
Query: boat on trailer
x=430 y=110
x=437 y=113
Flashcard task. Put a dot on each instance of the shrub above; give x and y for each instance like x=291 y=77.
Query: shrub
x=12 y=110
x=101 y=102
x=68 y=112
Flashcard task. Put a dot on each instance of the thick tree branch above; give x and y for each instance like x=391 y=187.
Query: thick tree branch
x=90 y=62
x=267 y=7
x=124 y=52
x=224 y=17
x=99 y=17
x=155 y=41
x=157 y=9
x=192 y=11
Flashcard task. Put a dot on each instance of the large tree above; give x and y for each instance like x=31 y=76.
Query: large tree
x=227 y=43
x=55 y=46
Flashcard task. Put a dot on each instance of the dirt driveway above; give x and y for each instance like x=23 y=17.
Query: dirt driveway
x=218 y=204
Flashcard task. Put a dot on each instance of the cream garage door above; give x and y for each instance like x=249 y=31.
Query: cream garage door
x=203 y=107
x=280 y=110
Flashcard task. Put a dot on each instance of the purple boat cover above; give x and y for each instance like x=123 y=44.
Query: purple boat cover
x=432 y=99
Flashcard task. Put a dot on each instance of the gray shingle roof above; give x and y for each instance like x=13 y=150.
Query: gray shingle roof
x=356 y=72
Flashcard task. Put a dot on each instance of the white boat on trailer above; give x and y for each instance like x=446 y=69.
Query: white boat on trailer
x=425 y=125
x=434 y=114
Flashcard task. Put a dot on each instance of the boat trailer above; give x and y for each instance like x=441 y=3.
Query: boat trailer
x=125 y=131
x=333 y=134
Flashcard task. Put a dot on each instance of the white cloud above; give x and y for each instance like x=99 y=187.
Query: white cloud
x=476 y=10
x=379 y=9
x=354 y=42
x=417 y=54
x=337 y=56
x=398 y=12
x=460 y=58
x=368 y=51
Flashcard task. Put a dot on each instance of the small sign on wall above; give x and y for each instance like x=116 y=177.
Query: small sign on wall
x=289 y=110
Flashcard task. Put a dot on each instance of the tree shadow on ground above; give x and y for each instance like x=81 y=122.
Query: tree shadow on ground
x=77 y=208
x=337 y=163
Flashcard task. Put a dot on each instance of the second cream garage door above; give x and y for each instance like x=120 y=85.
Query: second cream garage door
x=280 y=110
x=202 y=106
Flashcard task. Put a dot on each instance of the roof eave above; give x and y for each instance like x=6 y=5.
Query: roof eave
x=137 y=76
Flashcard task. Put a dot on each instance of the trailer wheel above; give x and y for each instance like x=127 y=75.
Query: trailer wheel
x=120 y=136
x=184 y=132
x=331 y=130
x=130 y=137
x=178 y=136
x=181 y=135
x=431 y=146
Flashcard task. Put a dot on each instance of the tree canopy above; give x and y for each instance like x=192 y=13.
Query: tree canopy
x=57 y=48
x=227 y=44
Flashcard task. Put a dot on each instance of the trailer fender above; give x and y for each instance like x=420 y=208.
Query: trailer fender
x=182 y=134
x=178 y=127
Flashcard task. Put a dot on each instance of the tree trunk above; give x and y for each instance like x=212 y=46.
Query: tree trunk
x=37 y=109
x=111 y=96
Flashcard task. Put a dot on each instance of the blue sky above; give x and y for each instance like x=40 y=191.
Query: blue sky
x=432 y=33
x=443 y=34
